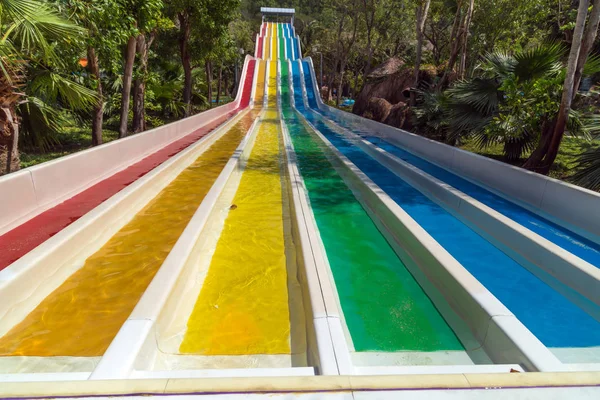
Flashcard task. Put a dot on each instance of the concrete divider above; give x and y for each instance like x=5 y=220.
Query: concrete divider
x=321 y=344
x=538 y=251
x=504 y=338
x=566 y=204
x=26 y=282
x=120 y=357
x=17 y=197
x=55 y=181
x=560 y=202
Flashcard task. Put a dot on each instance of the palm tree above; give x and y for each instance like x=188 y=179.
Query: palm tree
x=588 y=170
x=28 y=64
x=514 y=100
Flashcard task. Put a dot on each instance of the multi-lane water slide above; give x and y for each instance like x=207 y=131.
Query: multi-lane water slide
x=276 y=236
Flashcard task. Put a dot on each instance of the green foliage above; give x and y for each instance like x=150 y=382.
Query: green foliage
x=516 y=97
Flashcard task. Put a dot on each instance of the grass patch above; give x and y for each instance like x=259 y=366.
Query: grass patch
x=71 y=140
x=566 y=160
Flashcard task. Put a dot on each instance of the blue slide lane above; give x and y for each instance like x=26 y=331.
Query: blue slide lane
x=296 y=47
x=555 y=320
x=563 y=237
x=290 y=48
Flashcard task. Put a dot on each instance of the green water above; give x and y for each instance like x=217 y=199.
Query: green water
x=281 y=40
x=384 y=307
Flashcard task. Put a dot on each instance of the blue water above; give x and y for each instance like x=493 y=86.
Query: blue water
x=555 y=320
x=290 y=48
x=310 y=93
x=296 y=46
x=297 y=85
x=563 y=237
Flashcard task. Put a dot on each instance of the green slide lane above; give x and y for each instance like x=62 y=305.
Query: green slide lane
x=281 y=40
x=384 y=307
x=285 y=89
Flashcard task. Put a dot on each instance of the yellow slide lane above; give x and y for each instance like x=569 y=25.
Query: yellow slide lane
x=267 y=48
x=272 y=99
x=259 y=91
x=274 y=44
x=242 y=308
x=83 y=315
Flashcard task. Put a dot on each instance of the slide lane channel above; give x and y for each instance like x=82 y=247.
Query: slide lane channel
x=557 y=234
x=27 y=236
x=250 y=259
x=81 y=317
x=385 y=309
x=570 y=332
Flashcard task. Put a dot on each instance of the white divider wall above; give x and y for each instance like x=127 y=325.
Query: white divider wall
x=29 y=192
x=542 y=254
x=27 y=281
x=504 y=338
x=120 y=357
x=254 y=80
x=326 y=316
x=500 y=333
x=569 y=205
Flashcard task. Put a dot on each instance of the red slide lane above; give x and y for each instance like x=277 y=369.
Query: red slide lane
x=259 y=49
x=24 y=238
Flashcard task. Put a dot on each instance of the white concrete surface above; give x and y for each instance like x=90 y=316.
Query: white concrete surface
x=35 y=189
x=470 y=300
x=30 y=279
x=540 y=252
x=119 y=359
x=561 y=202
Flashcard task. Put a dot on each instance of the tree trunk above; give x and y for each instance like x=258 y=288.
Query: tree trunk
x=455 y=40
x=184 y=37
x=422 y=10
x=338 y=98
x=139 y=89
x=567 y=95
x=330 y=81
x=355 y=85
x=219 y=80
x=542 y=147
x=208 y=67
x=463 y=59
x=99 y=107
x=125 y=94
x=9 y=138
x=589 y=37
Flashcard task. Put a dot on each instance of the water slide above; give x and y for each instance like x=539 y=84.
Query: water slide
x=274 y=236
x=541 y=268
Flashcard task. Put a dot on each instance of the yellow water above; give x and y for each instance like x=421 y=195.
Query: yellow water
x=83 y=315
x=272 y=99
x=259 y=91
x=267 y=49
x=274 y=44
x=243 y=307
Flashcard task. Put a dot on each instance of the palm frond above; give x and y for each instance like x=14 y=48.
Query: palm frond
x=480 y=94
x=464 y=121
x=516 y=147
x=592 y=65
x=32 y=25
x=588 y=170
x=497 y=64
x=539 y=61
x=40 y=124
x=587 y=126
x=57 y=88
